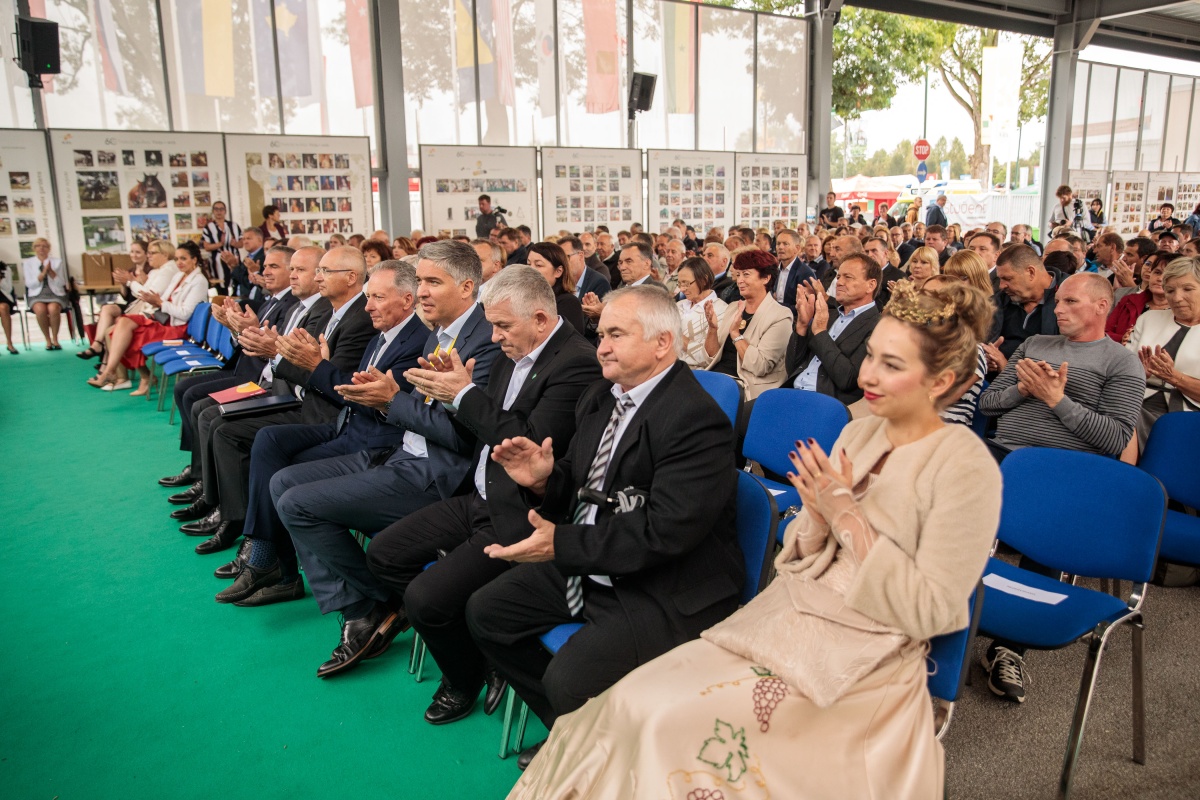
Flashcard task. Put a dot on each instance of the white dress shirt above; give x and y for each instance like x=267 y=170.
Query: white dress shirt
x=807 y=380
x=298 y=312
x=414 y=443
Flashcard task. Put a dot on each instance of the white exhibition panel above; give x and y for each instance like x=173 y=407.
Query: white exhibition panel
x=1128 y=209
x=1187 y=195
x=26 y=197
x=1090 y=184
x=321 y=184
x=770 y=186
x=1160 y=188
x=115 y=186
x=453 y=177
x=586 y=187
x=696 y=186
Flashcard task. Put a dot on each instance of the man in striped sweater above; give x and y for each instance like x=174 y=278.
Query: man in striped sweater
x=1079 y=390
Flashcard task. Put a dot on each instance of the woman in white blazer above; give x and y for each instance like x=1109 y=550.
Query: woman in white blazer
x=1168 y=344
x=750 y=340
x=152 y=263
x=8 y=304
x=46 y=290
x=166 y=317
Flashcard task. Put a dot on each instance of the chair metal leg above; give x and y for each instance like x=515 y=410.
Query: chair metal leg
x=506 y=723
x=171 y=418
x=412 y=653
x=421 y=661
x=1139 y=694
x=521 y=720
x=162 y=390
x=1083 y=702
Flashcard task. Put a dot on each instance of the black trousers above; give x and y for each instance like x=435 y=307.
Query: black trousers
x=436 y=599
x=506 y=617
x=191 y=390
x=232 y=441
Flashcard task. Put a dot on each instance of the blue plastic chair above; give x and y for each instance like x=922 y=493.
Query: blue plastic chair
x=197 y=325
x=979 y=422
x=778 y=419
x=222 y=344
x=207 y=347
x=1079 y=531
x=949 y=655
x=756 y=514
x=724 y=390
x=1171 y=457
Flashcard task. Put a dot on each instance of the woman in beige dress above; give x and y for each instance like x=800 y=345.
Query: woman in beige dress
x=817 y=688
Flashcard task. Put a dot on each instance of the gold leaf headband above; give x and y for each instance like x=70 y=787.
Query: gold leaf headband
x=906 y=305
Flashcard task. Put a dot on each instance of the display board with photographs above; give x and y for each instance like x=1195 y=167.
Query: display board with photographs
x=26 y=197
x=696 y=186
x=320 y=184
x=1127 y=211
x=117 y=186
x=586 y=187
x=1089 y=185
x=1160 y=188
x=453 y=177
x=1187 y=195
x=770 y=187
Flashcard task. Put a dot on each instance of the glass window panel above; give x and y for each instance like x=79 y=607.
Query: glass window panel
x=1078 y=112
x=518 y=83
x=1098 y=136
x=665 y=46
x=111 y=66
x=592 y=80
x=1179 y=107
x=1154 y=120
x=16 y=101
x=1128 y=119
x=439 y=81
x=726 y=64
x=1193 y=151
x=324 y=92
x=221 y=64
x=782 y=105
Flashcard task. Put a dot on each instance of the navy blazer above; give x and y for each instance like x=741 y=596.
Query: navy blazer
x=359 y=427
x=592 y=281
x=346 y=346
x=800 y=271
x=936 y=215
x=448 y=453
x=251 y=367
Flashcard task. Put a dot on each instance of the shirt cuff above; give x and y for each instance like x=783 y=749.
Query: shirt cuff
x=458 y=398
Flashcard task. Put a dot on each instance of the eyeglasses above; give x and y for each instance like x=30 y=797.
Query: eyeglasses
x=327 y=270
x=685 y=284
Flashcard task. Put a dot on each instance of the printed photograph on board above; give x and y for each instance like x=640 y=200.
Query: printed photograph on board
x=19 y=181
x=146 y=191
x=98 y=189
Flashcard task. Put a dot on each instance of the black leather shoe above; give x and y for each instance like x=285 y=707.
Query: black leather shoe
x=231 y=570
x=496 y=686
x=205 y=526
x=226 y=537
x=358 y=638
x=182 y=479
x=249 y=581
x=188 y=496
x=279 y=593
x=449 y=705
x=197 y=510
x=384 y=642
x=526 y=757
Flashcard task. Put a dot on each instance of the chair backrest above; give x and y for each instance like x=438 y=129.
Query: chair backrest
x=979 y=422
x=756 y=522
x=781 y=416
x=724 y=390
x=212 y=334
x=197 y=327
x=1081 y=513
x=223 y=344
x=1171 y=455
x=557 y=636
x=949 y=653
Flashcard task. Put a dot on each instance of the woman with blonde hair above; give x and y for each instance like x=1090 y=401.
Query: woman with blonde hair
x=922 y=264
x=969 y=266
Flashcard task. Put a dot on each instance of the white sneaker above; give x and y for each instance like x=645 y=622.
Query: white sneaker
x=116 y=387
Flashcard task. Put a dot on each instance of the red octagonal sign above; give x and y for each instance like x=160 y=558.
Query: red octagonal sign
x=921 y=150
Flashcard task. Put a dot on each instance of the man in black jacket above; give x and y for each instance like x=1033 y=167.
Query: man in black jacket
x=633 y=531
x=531 y=393
x=1024 y=304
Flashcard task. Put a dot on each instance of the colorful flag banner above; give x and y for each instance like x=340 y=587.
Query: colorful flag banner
x=358 y=29
x=207 y=27
x=111 y=62
x=679 y=57
x=603 y=56
x=544 y=33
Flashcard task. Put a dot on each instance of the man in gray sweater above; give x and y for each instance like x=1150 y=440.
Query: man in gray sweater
x=1079 y=390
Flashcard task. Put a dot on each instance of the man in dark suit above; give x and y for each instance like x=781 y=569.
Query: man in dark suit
x=606 y=251
x=634 y=265
x=986 y=245
x=278 y=280
x=586 y=279
x=824 y=355
x=936 y=215
x=515 y=251
x=649 y=558
x=718 y=260
x=320 y=502
x=792 y=269
x=876 y=249
x=531 y=393
x=246 y=280
x=938 y=238
x=346 y=332
x=1024 y=305
x=390 y=293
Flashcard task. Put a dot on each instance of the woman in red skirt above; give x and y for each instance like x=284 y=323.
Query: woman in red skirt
x=175 y=306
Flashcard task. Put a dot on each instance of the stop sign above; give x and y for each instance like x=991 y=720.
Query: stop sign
x=921 y=150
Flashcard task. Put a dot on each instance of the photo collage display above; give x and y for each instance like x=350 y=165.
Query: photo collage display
x=595 y=194
x=766 y=194
x=466 y=209
x=311 y=190
x=695 y=194
x=1187 y=195
x=1160 y=188
x=17 y=211
x=1128 y=210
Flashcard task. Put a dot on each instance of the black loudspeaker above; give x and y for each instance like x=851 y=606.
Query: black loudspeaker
x=641 y=92
x=37 y=40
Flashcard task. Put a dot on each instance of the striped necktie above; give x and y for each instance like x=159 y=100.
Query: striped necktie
x=595 y=481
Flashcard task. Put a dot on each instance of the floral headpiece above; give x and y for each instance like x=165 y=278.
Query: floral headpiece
x=906 y=305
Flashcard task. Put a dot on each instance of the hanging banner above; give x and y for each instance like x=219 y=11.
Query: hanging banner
x=320 y=184
x=117 y=186
x=26 y=198
x=770 y=187
x=693 y=185
x=1128 y=210
x=586 y=187
x=453 y=177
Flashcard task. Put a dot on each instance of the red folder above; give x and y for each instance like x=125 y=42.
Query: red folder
x=240 y=392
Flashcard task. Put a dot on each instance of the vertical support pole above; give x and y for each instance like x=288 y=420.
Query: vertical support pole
x=821 y=103
x=278 y=73
x=1063 y=65
x=391 y=133
x=35 y=95
x=754 y=92
x=631 y=135
x=162 y=49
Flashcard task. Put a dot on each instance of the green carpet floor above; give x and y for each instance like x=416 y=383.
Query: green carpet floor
x=121 y=678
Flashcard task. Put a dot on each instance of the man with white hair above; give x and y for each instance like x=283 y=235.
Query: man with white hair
x=633 y=530
x=606 y=250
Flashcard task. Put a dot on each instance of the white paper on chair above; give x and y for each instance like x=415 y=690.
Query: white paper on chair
x=1007 y=586
x=777 y=492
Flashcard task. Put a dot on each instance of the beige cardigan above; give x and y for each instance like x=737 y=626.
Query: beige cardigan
x=764 y=364
x=936 y=507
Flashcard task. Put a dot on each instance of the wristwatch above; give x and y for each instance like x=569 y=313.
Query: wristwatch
x=738 y=338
